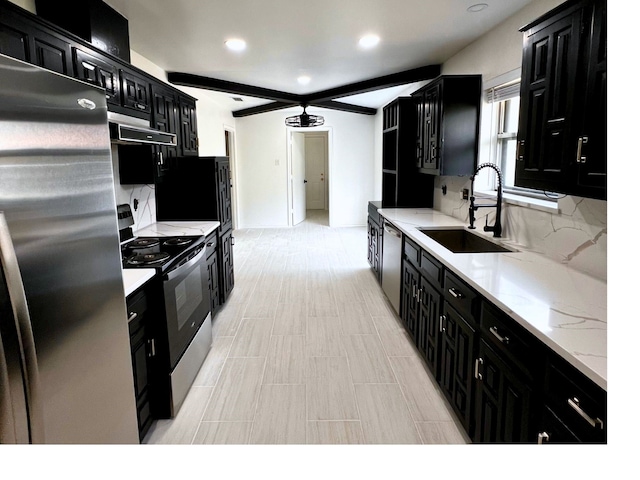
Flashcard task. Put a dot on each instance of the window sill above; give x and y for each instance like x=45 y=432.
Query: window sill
x=548 y=206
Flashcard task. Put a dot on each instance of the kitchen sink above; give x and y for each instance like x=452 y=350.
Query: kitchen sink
x=460 y=240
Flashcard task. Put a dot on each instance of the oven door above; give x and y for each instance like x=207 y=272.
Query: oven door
x=186 y=298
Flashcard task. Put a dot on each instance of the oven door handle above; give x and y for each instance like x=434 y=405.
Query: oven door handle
x=185 y=266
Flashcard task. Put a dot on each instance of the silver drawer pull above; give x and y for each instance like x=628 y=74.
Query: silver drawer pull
x=575 y=404
x=479 y=362
x=543 y=437
x=494 y=331
x=442 y=319
x=455 y=293
x=132 y=316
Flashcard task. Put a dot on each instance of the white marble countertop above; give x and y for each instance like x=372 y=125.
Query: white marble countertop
x=174 y=229
x=564 y=308
x=134 y=278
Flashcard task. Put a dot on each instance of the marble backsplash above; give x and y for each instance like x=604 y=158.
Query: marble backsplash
x=142 y=198
x=576 y=235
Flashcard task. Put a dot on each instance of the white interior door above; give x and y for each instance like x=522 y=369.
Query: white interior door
x=315 y=161
x=298 y=182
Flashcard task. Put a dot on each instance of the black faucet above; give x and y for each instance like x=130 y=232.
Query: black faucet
x=497 y=227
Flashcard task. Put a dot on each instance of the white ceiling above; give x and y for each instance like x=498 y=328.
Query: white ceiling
x=318 y=38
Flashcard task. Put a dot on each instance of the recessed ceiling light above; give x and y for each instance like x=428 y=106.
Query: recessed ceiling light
x=236 y=44
x=304 y=79
x=478 y=7
x=369 y=41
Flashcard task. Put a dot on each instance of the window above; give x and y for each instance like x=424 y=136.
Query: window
x=503 y=104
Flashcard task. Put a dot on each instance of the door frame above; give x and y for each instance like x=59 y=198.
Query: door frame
x=329 y=173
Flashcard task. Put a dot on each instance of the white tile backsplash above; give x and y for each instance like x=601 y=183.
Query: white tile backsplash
x=576 y=235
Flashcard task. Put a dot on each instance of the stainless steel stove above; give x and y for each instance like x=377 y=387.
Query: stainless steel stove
x=184 y=337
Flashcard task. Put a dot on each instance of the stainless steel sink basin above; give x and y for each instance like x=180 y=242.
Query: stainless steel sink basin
x=459 y=240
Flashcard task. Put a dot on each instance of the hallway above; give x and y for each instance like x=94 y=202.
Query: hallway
x=307 y=350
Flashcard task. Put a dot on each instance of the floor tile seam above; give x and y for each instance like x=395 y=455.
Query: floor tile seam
x=355 y=397
x=255 y=407
x=213 y=389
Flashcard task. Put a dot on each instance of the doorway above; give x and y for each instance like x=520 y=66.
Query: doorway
x=309 y=187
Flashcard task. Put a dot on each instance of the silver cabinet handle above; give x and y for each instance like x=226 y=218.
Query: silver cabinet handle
x=152 y=343
x=455 y=293
x=543 y=437
x=442 y=319
x=494 y=331
x=420 y=295
x=575 y=404
x=413 y=290
x=579 y=157
x=132 y=316
x=479 y=362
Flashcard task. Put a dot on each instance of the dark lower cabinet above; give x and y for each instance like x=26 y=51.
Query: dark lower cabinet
x=142 y=353
x=374 y=239
x=503 y=400
x=573 y=402
x=428 y=328
x=504 y=384
x=211 y=244
x=225 y=256
x=456 y=379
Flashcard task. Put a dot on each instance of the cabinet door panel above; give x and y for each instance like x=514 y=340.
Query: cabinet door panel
x=592 y=163
x=457 y=361
x=428 y=330
x=409 y=304
x=502 y=401
x=52 y=53
x=14 y=43
x=550 y=66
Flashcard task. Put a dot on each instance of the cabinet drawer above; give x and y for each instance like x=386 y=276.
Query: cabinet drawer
x=577 y=401
x=136 y=306
x=510 y=338
x=412 y=252
x=460 y=295
x=431 y=269
x=211 y=244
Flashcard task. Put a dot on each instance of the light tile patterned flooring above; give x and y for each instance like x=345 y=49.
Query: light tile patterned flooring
x=307 y=350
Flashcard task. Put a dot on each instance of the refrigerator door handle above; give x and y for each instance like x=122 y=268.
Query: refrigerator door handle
x=24 y=334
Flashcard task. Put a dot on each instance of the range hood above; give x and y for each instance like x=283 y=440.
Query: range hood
x=133 y=135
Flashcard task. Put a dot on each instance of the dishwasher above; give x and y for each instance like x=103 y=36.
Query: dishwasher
x=392 y=263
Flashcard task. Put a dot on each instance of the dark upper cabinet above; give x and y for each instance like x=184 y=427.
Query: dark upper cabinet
x=93 y=21
x=402 y=183
x=448 y=123
x=562 y=127
x=20 y=39
x=188 y=126
x=129 y=91
x=96 y=69
x=136 y=94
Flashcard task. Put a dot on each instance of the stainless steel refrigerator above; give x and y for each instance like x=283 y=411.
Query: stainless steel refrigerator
x=65 y=362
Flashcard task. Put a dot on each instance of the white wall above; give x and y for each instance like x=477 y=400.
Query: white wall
x=262 y=185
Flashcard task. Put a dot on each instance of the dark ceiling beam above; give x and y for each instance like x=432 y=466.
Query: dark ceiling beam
x=324 y=99
x=344 y=107
x=402 y=78
x=197 y=81
x=267 y=107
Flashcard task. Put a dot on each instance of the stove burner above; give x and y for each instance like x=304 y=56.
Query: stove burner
x=148 y=258
x=177 y=241
x=144 y=243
